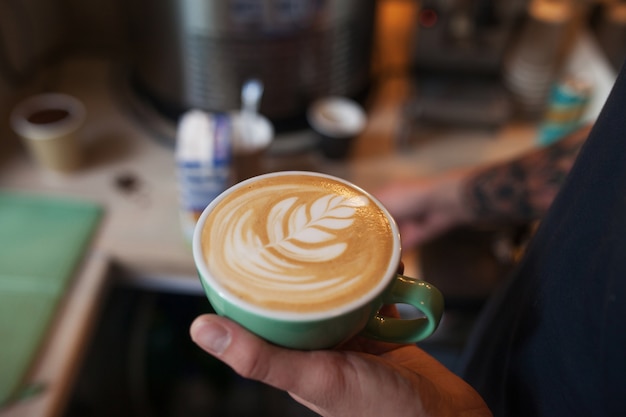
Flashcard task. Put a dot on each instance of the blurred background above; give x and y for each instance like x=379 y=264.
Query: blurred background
x=444 y=83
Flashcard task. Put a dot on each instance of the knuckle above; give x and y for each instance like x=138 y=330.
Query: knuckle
x=252 y=367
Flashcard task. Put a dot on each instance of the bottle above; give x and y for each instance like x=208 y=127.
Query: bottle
x=564 y=114
x=203 y=162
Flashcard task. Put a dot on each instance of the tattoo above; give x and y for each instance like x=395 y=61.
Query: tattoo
x=524 y=188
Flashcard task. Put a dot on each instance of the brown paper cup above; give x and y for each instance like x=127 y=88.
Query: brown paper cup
x=48 y=125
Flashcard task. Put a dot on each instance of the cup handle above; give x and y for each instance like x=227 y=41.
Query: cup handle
x=421 y=295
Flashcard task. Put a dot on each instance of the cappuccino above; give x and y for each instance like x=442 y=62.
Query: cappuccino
x=298 y=243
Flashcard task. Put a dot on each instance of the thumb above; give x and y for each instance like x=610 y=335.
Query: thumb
x=305 y=375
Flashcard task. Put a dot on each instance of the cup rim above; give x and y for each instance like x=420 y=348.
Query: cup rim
x=21 y=112
x=374 y=292
x=351 y=117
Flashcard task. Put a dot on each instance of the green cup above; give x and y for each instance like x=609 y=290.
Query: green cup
x=306 y=270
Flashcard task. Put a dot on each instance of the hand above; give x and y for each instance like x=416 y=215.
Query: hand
x=364 y=378
x=425 y=209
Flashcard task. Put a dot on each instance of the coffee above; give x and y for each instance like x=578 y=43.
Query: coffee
x=298 y=243
x=47 y=116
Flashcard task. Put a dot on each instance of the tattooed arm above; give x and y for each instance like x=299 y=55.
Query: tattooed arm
x=524 y=188
x=518 y=190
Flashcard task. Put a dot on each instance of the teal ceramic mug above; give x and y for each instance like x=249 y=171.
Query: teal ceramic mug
x=306 y=261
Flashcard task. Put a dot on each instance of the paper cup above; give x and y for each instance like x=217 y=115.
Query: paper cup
x=48 y=125
x=337 y=120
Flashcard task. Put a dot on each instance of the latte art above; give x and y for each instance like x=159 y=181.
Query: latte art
x=297 y=243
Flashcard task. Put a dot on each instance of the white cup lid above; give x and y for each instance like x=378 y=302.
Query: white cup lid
x=337 y=116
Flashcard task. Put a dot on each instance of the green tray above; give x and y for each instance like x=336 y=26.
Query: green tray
x=42 y=240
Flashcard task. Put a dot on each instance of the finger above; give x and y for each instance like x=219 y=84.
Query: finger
x=306 y=375
x=247 y=354
x=367 y=345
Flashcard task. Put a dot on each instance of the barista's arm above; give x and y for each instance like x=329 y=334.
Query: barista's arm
x=524 y=188
x=518 y=190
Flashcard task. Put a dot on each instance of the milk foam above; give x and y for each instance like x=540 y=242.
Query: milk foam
x=297 y=244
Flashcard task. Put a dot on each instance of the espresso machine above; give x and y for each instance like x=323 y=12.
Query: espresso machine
x=458 y=50
x=197 y=53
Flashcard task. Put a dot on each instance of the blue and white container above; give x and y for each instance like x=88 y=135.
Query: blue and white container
x=203 y=162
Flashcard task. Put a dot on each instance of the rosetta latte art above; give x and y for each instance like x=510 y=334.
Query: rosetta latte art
x=296 y=246
x=306 y=227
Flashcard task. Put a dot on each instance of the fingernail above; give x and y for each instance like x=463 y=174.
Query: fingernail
x=213 y=337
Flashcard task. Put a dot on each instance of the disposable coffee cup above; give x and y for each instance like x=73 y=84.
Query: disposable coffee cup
x=48 y=124
x=306 y=261
x=337 y=121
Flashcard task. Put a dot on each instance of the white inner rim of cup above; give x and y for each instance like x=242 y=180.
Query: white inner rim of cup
x=43 y=102
x=200 y=262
